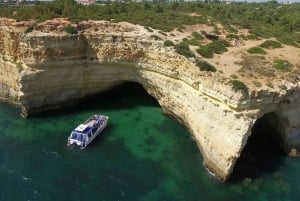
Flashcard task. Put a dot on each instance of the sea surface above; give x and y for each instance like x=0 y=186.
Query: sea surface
x=142 y=155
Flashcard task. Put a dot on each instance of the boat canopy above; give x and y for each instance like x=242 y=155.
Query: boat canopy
x=83 y=129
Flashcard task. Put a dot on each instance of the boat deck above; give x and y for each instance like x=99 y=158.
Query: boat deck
x=91 y=123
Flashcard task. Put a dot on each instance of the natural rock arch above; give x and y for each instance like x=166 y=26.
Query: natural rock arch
x=44 y=70
x=284 y=124
x=262 y=154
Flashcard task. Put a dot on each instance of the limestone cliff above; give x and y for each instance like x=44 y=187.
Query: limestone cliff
x=48 y=68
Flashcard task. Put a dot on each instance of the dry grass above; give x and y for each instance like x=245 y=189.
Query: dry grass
x=258 y=65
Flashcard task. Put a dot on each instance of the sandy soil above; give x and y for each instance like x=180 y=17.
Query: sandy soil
x=229 y=63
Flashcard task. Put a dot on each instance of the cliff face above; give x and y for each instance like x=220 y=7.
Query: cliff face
x=48 y=68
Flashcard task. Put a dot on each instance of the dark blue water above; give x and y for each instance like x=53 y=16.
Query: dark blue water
x=141 y=155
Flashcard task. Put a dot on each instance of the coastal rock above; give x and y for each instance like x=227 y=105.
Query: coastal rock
x=49 y=68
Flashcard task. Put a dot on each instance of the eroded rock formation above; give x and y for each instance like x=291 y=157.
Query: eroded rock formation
x=48 y=68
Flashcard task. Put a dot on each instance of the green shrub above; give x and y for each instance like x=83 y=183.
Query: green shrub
x=193 y=42
x=238 y=85
x=184 y=49
x=159 y=8
x=208 y=50
x=261 y=31
x=256 y=50
x=244 y=37
x=217 y=47
x=205 y=52
x=230 y=28
x=231 y=36
x=29 y=29
x=265 y=20
x=168 y=43
x=288 y=41
x=252 y=37
x=271 y=44
x=204 y=66
x=282 y=65
x=71 y=30
x=225 y=43
x=197 y=35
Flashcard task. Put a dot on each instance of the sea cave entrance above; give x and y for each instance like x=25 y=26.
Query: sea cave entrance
x=125 y=95
x=263 y=153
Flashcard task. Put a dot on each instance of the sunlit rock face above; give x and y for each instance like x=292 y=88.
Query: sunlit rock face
x=48 y=68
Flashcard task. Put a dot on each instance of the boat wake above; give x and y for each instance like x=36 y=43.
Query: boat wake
x=52 y=153
x=26 y=178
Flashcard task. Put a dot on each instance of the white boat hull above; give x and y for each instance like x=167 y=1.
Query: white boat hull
x=85 y=133
x=94 y=136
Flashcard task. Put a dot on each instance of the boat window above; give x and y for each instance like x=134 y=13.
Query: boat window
x=74 y=136
x=89 y=135
x=77 y=136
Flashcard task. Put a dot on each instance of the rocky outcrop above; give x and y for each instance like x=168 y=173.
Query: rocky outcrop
x=49 y=68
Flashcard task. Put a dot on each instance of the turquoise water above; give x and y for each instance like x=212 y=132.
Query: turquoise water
x=142 y=155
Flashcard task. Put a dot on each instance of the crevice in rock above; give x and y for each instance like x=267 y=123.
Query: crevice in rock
x=262 y=154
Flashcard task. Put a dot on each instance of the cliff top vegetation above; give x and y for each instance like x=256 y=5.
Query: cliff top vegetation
x=249 y=42
x=262 y=19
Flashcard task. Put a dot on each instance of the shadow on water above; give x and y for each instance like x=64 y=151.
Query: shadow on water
x=125 y=96
x=103 y=136
x=261 y=155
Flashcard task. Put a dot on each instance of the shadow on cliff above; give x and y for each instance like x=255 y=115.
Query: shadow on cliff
x=261 y=155
x=126 y=96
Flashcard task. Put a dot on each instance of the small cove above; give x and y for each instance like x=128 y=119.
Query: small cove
x=142 y=155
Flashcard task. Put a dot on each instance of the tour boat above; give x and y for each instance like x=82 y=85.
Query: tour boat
x=85 y=133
